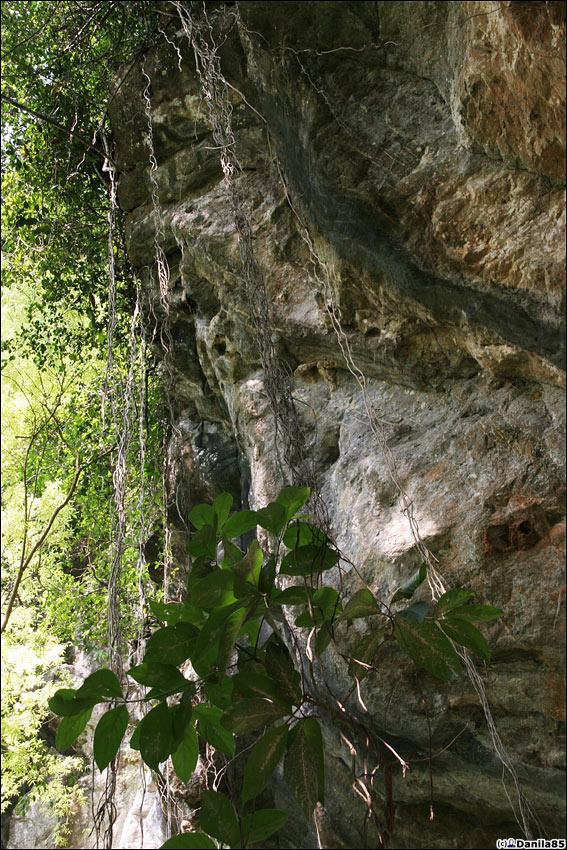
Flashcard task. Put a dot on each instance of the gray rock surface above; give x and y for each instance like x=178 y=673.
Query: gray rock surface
x=422 y=144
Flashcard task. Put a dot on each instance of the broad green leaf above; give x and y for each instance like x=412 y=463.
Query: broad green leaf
x=156 y=736
x=272 y=517
x=296 y=595
x=308 y=560
x=174 y=612
x=180 y=717
x=452 y=599
x=70 y=728
x=202 y=515
x=300 y=533
x=211 y=632
x=262 y=761
x=477 y=613
x=232 y=554
x=211 y=730
x=280 y=668
x=238 y=524
x=189 y=841
x=307 y=621
x=64 y=702
x=249 y=683
x=220 y=694
x=249 y=567
x=172 y=644
x=135 y=737
x=416 y=613
x=466 y=634
x=251 y=715
x=108 y=735
x=267 y=575
x=301 y=771
x=426 y=644
x=327 y=599
x=103 y=683
x=230 y=632
x=203 y=543
x=221 y=507
x=214 y=590
x=218 y=818
x=154 y=674
x=293 y=498
x=407 y=590
x=364 y=652
x=261 y=824
x=362 y=604
x=314 y=735
x=186 y=755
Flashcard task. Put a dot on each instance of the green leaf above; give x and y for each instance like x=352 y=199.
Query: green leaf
x=221 y=507
x=452 y=599
x=214 y=590
x=218 y=818
x=477 y=613
x=299 y=534
x=154 y=674
x=101 y=683
x=249 y=567
x=180 y=718
x=466 y=634
x=362 y=604
x=261 y=824
x=189 y=841
x=202 y=515
x=301 y=771
x=211 y=730
x=296 y=595
x=426 y=644
x=108 y=735
x=272 y=517
x=135 y=737
x=64 y=702
x=327 y=600
x=203 y=543
x=251 y=715
x=210 y=634
x=262 y=761
x=407 y=590
x=293 y=498
x=70 y=728
x=172 y=644
x=229 y=634
x=156 y=736
x=239 y=524
x=249 y=683
x=308 y=560
x=220 y=694
x=416 y=613
x=267 y=575
x=280 y=668
x=186 y=755
x=365 y=652
x=232 y=554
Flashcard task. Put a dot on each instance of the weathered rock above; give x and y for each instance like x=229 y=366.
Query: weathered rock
x=422 y=144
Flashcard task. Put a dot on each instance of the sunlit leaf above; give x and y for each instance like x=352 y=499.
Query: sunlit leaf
x=70 y=728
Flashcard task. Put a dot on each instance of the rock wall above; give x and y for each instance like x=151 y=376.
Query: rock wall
x=423 y=144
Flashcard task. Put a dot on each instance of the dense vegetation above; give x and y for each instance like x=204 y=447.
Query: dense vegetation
x=58 y=61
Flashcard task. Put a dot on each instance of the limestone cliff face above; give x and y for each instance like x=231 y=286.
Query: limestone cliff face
x=422 y=143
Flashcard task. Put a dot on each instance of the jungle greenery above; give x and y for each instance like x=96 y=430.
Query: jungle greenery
x=58 y=61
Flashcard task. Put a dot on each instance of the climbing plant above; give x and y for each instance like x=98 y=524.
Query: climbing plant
x=225 y=663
